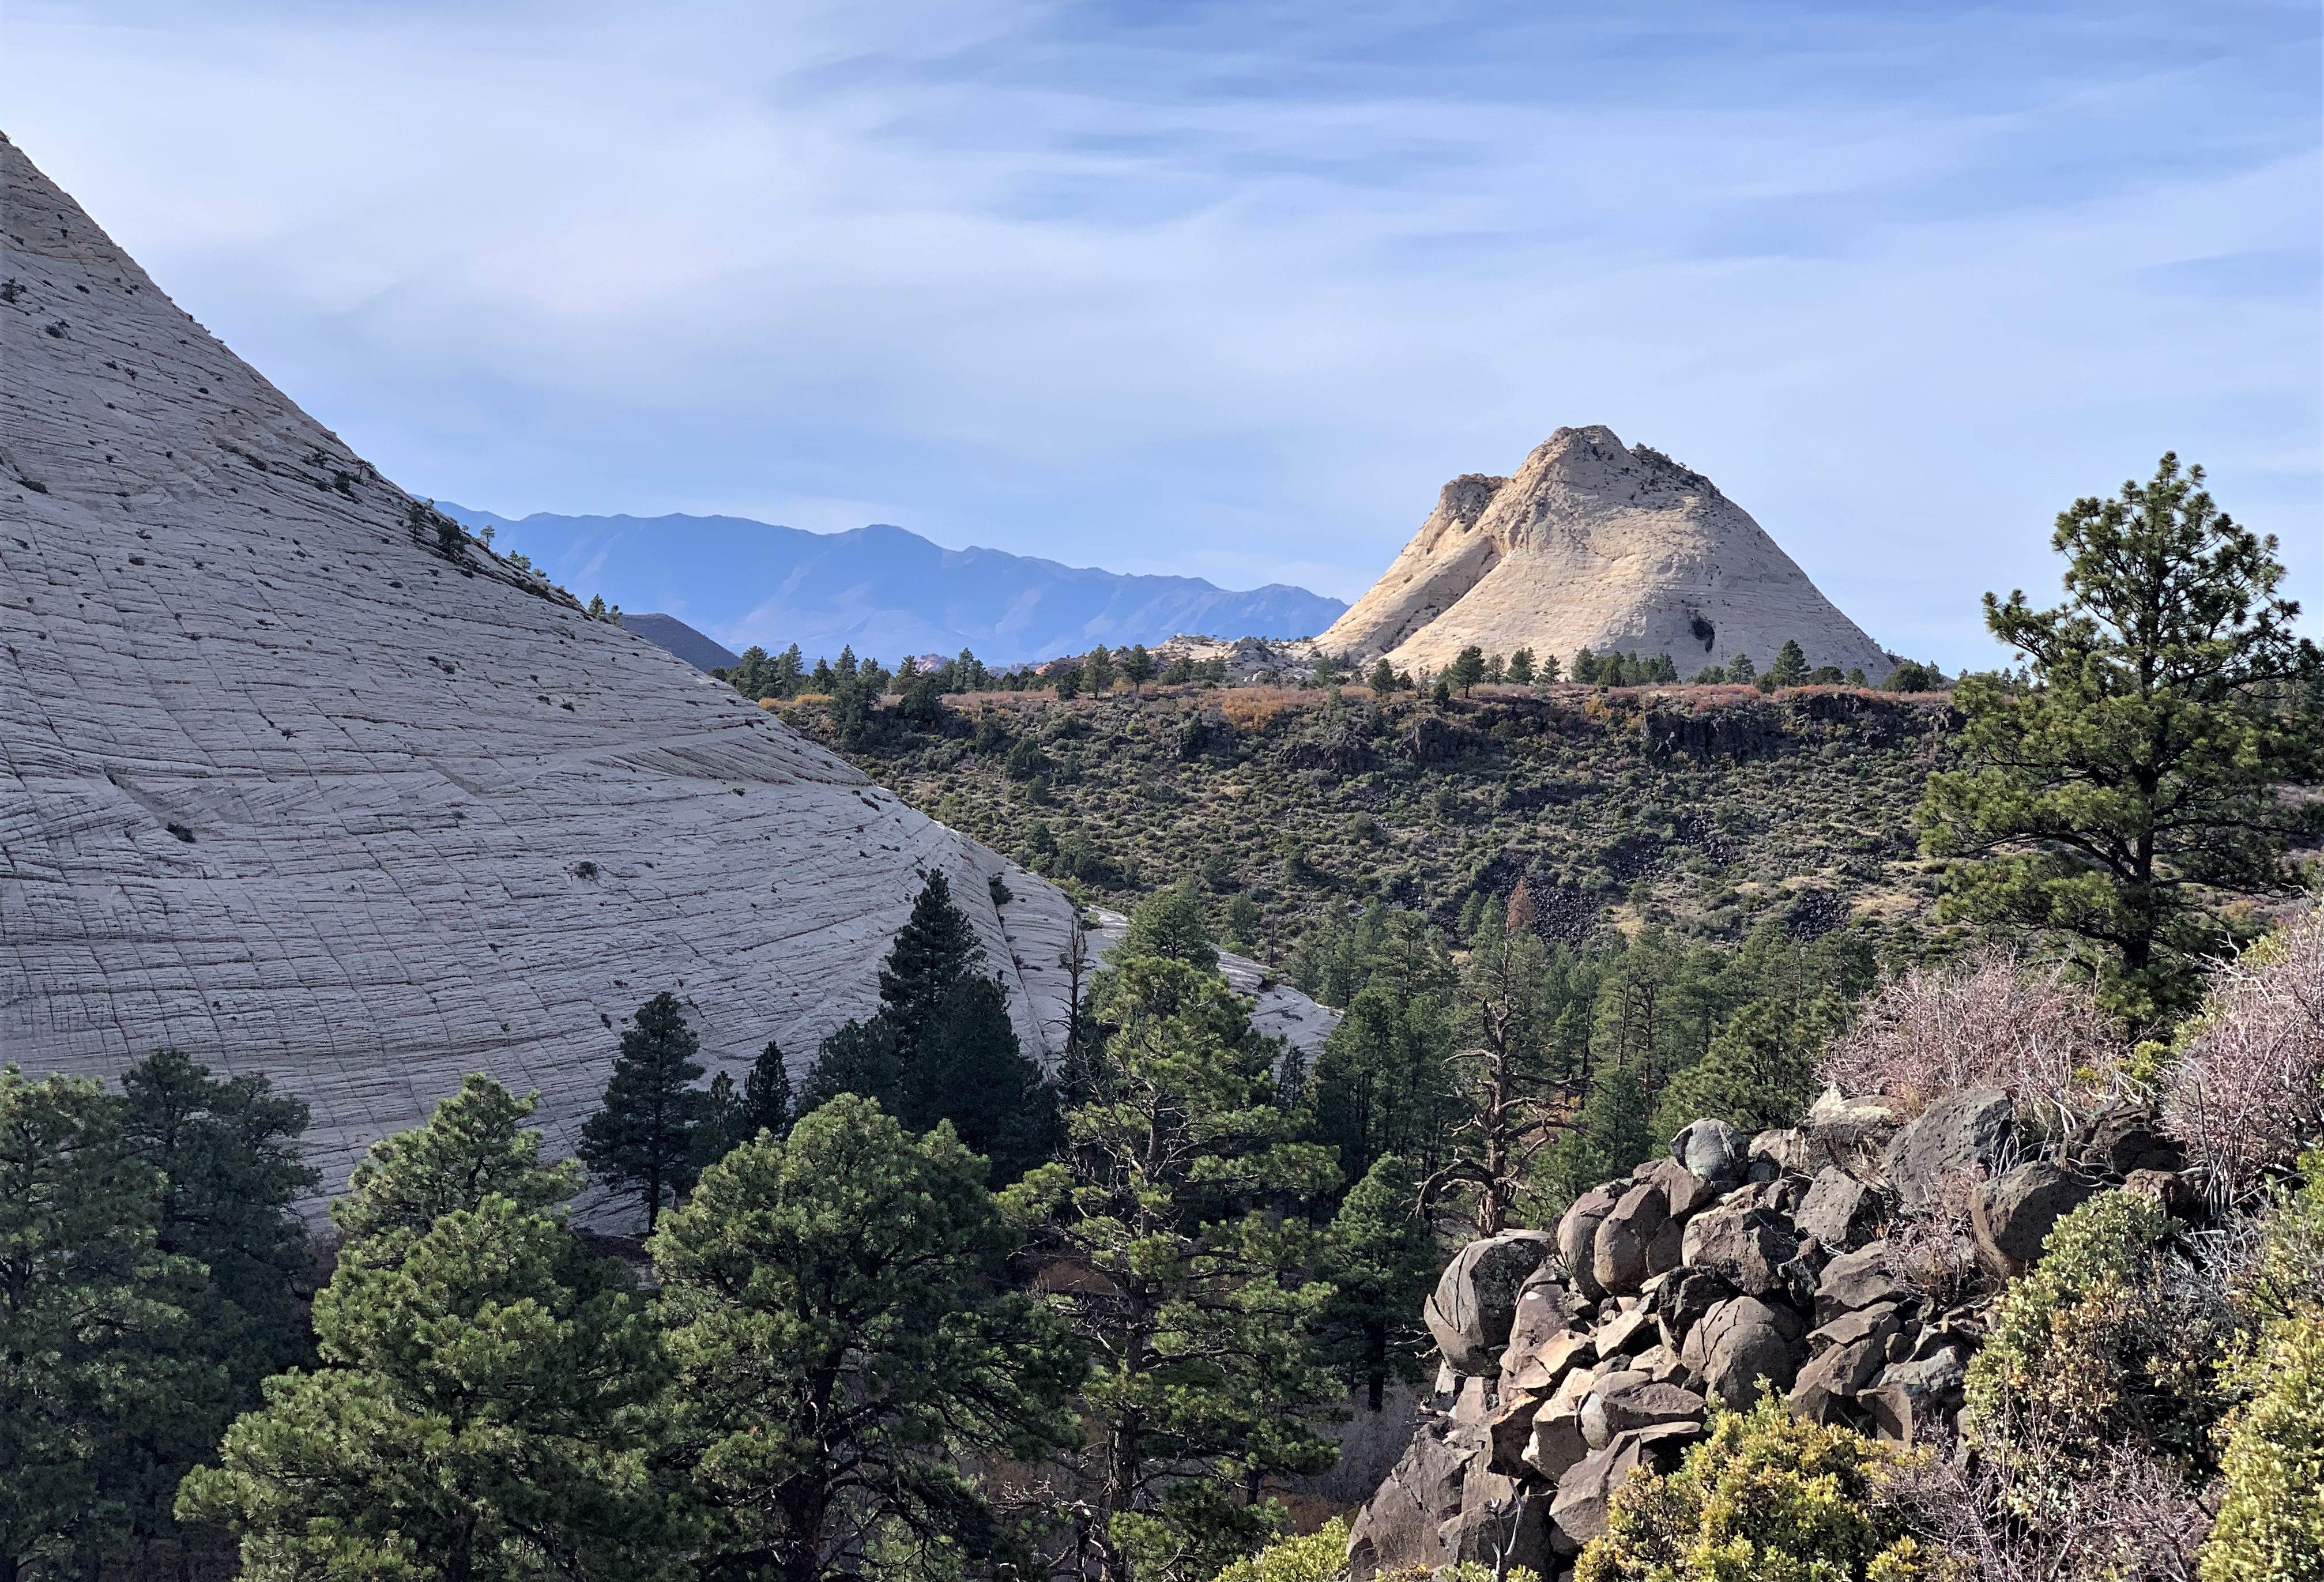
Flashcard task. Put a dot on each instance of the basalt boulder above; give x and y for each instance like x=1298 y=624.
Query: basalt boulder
x=1475 y=1302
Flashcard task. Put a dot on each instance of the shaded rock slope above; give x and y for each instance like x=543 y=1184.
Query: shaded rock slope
x=300 y=781
x=1596 y=545
x=668 y=632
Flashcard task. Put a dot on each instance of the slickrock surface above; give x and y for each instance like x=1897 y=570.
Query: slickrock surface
x=1595 y=545
x=290 y=786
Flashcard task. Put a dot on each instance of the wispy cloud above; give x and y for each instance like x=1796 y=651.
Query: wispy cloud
x=1231 y=289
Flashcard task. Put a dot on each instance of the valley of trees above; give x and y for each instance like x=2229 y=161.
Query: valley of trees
x=928 y=1310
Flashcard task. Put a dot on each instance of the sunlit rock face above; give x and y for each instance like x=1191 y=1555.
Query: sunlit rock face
x=1594 y=545
x=297 y=783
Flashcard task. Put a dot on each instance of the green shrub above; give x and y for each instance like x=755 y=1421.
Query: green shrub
x=1767 y=1497
x=2096 y=1349
x=2270 y=1522
x=1321 y=1556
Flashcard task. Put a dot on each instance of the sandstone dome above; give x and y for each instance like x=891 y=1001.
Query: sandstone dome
x=297 y=784
x=1594 y=545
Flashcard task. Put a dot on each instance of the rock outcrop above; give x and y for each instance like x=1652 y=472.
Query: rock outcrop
x=1571 y=1357
x=1594 y=544
x=300 y=780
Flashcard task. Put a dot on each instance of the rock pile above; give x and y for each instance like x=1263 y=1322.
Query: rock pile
x=1735 y=1265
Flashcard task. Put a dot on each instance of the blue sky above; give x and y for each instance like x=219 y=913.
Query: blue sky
x=1230 y=290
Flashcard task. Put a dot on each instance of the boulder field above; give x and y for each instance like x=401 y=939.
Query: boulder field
x=1793 y=1261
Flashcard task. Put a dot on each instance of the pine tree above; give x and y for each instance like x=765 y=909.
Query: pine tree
x=1137 y=666
x=847 y=1344
x=1382 y=680
x=1242 y=922
x=1182 y=1193
x=1468 y=669
x=1382 y=1262
x=824 y=680
x=942 y=1046
x=642 y=1136
x=1098 y=669
x=935 y=950
x=474 y=1146
x=790 y=673
x=1501 y=1076
x=94 y=1341
x=1169 y=924
x=478 y=1414
x=767 y=1094
x=2138 y=776
x=1741 y=671
x=1548 y=668
x=1790 y=666
x=227 y=1154
x=1520 y=670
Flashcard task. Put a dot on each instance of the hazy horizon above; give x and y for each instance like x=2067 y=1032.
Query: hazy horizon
x=1230 y=291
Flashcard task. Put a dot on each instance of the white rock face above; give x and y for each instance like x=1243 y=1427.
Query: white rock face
x=285 y=786
x=1594 y=545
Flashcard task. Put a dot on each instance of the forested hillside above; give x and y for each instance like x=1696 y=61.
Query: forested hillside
x=1703 y=808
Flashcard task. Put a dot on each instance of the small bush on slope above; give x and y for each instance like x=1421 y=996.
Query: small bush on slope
x=2085 y=1352
x=1767 y=1497
x=1986 y=1022
x=2271 y=1523
x=2247 y=1094
x=1321 y=1556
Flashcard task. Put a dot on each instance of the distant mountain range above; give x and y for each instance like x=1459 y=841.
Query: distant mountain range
x=880 y=590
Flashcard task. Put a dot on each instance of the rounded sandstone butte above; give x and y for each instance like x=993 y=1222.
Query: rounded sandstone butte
x=1596 y=545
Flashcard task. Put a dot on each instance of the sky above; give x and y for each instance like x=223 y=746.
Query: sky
x=1230 y=290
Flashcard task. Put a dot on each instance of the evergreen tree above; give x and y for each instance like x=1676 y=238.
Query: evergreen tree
x=227 y=1154
x=1242 y=922
x=790 y=673
x=1182 y=1194
x=1468 y=669
x=844 y=672
x=92 y=1332
x=935 y=950
x=1382 y=680
x=1383 y=1084
x=1381 y=1263
x=941 y=1046
x=1137 y=666
x=767 y=1094
x=1585 y=667
x=1169 y=924
x=845 y=1344
x=1501 y=1073
x=477 y=1416
x=1790 y=666
x=642 y=1136
x=1521 y=667
x=1098 y=669
x=474 y=1146
x=1912 y=675
x=826 y=680
x=2138 y=775
x=1741 y=671
x=1066 y=677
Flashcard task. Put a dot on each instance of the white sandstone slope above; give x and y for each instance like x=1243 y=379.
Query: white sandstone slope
x=1595 y=545
x=288 y=787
